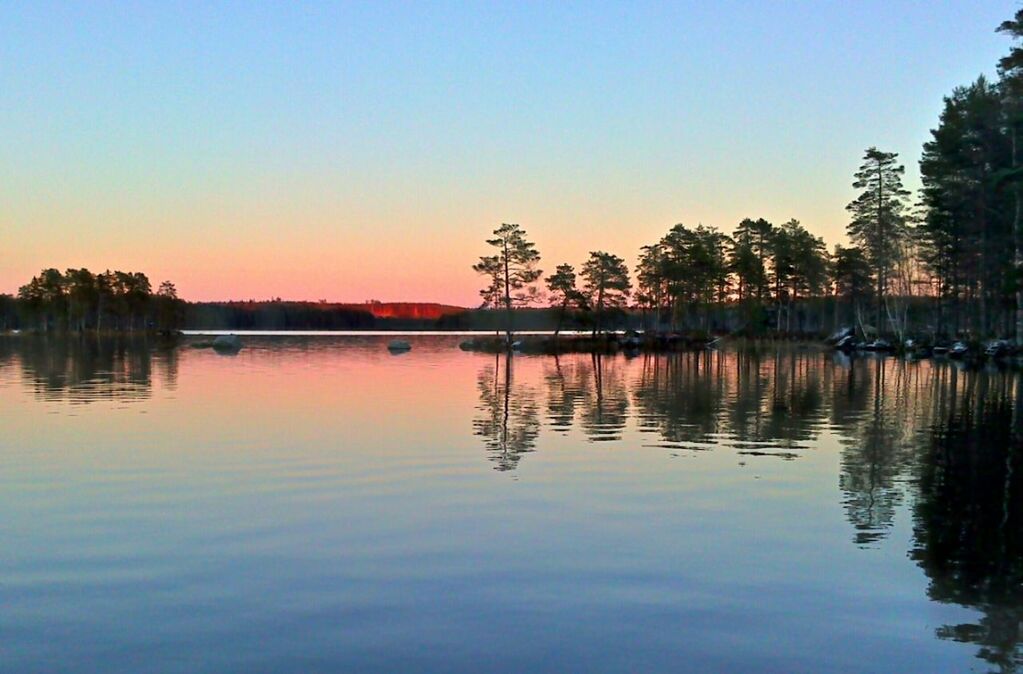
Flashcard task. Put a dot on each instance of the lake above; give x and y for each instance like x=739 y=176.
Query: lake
x=316 y=504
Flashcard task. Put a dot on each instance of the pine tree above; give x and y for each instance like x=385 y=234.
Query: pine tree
x=563 y=292
x=511 y=272
x=1010 y=68
x=850 y=275
x=878 y=224
x=607 y=284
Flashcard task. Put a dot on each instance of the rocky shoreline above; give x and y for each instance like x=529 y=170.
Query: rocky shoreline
x=604 y=343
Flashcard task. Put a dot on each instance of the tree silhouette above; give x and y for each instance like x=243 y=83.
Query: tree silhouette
x=878 y=223
x=169 y=308
x=563 y=292
x=607 y=285
x=510 y=273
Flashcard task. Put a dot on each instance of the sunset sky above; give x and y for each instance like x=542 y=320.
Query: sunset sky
x=353 y=151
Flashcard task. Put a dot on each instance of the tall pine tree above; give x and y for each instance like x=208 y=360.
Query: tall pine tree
x=878 y=223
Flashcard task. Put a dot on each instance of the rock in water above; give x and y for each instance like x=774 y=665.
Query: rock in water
x=399 y=346
x=227 y=343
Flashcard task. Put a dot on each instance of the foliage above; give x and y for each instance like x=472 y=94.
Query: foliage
x=878 y=223
x=563 y=292
x=79 y=300
x=607 y=285
x=510 y=273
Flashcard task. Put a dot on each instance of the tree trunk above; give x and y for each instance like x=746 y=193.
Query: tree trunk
x=882 y=253
x=507 y=301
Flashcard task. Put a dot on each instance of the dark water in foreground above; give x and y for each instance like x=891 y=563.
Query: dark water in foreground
x=316 y=505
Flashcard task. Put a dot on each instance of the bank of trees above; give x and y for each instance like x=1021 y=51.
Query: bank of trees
x=969 y=239
x=681 y=282
x=761 y=277
x=78 y=300
x=512 y=277
x=946 y=262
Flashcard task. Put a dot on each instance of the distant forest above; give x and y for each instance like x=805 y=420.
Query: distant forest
x=78 y=300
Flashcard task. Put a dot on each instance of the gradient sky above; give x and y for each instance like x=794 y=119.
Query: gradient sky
x=365 y=150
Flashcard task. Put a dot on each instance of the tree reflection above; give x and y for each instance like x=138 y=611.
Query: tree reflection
x=947 y=441
x=680 y=396
x=507 y=419
x=796 y=399
x=764 y=406
x=566 y=381
x=83 y=370
x=969 y=517
x=746 y=417
x=876 y=458
x=606 y=405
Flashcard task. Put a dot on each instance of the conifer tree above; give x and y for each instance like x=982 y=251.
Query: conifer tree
x=511 y=272
x=878 y=223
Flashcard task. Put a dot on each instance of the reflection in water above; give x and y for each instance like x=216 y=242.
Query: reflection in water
x=82 y=370
x=606 y=403
x=969 y=516
x=679 y=398
x=507 y=419
x=566 y=384
x=944 y=440
x=877 y=455
x=887 y=444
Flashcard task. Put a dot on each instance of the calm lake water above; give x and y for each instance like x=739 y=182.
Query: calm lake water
x=315 y=504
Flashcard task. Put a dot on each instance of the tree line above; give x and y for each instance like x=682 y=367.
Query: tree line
x=946 y=262
x=683 y=281
x=77 y=300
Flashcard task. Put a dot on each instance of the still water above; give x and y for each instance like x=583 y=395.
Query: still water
x=315 y=504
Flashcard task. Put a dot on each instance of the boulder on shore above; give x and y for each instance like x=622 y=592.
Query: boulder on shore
x=841 y=334
x=959 y=350
x=997 y=348
x=847 y=344
x=227 y=343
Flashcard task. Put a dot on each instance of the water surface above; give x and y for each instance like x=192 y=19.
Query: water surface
x=317 y=504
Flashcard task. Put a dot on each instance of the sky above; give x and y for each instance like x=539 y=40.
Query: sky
x=356 y=151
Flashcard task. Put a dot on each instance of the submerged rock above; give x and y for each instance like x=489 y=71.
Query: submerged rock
x=227 y=343
x=399 y=346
